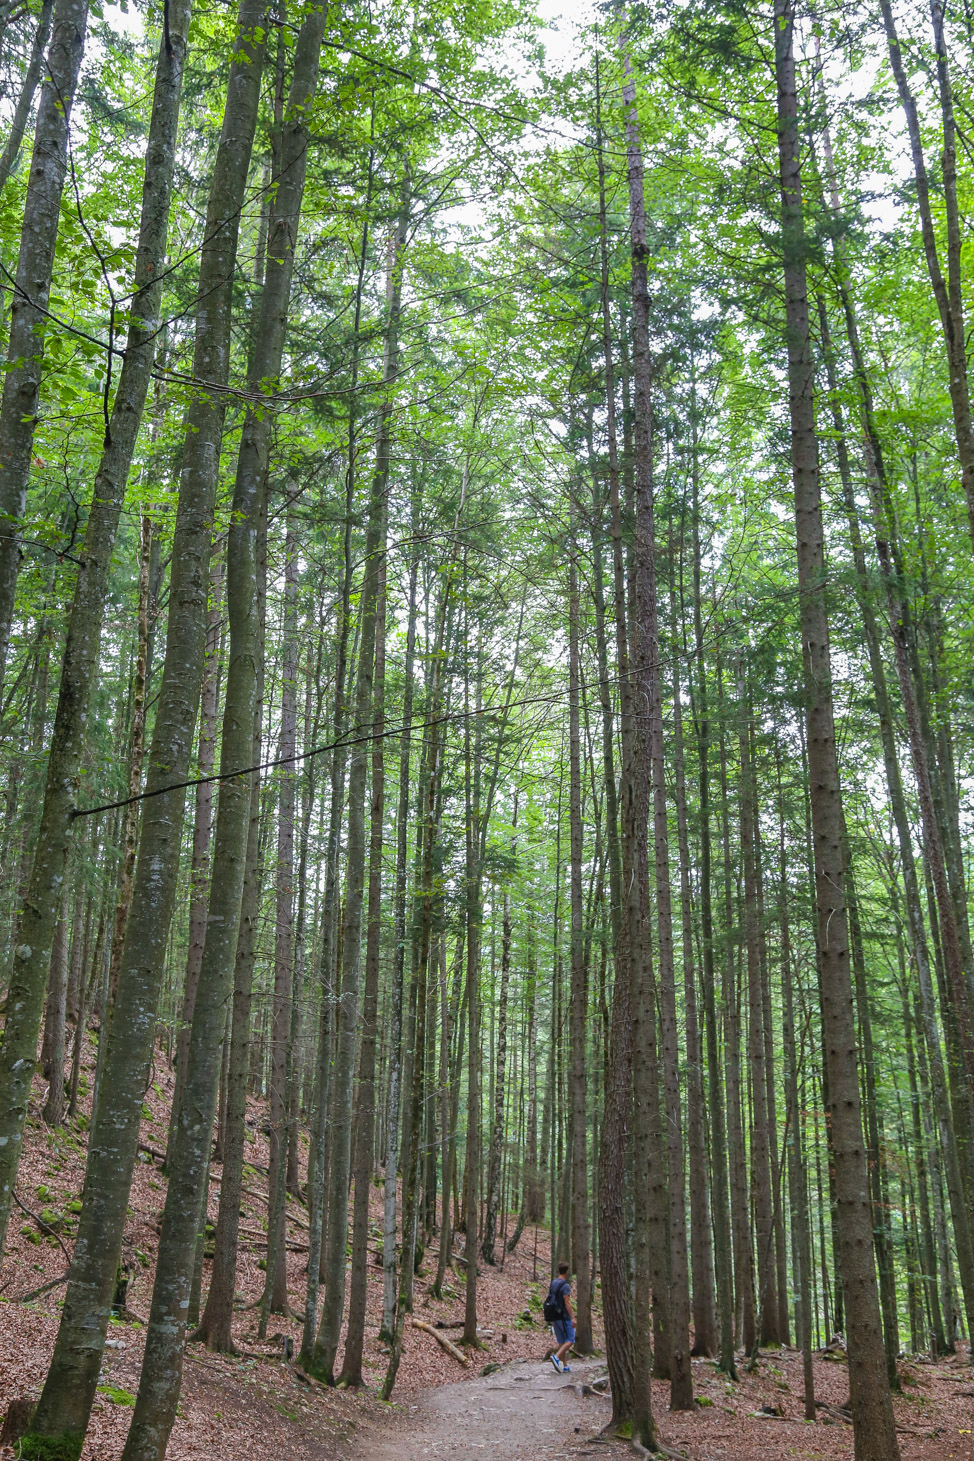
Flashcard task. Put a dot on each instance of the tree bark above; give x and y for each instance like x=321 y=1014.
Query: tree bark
x=365 y=1112
x=216 y=1325
x=82 y=644
x=25 y=102
x=160 y=1382
x=616 y=1305
x=74 y=1370
x=701 y=1240
x=326 y=1344
x=872 y=1411
x=202 y=830
x=284 y=994
x=578 y=1006
x=948 y=293
x=28 y=310
x=394 y=1090
x=760 y=1146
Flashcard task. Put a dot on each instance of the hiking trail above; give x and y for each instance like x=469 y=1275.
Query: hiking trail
x=522 y=1412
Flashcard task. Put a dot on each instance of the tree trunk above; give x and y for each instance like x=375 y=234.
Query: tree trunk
x=365 y=1104
x=393 y=1092
x=28 y=309
x=948 y=292
x=424 y=897
x=159 y=1386
x=55 y=1022
x=723 y=1245
x=873 y=1425
x=616 y=1304
x=802 y=1249
x=130 y=818
x=216 y=1326
x=202 y=830
x=474 y=917
x=81 y=650
x=74 y=1370
x=578 y=1005
x=326 y=1344
x=760 y=1145
x=25 y=102
x=284 y=995
x=701 y=1239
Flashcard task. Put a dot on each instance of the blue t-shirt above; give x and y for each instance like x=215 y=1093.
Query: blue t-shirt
x=558 y=1291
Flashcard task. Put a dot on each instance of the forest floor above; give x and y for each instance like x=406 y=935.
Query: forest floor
x=258 y=1403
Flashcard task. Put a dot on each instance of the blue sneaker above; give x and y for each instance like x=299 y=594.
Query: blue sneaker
x=565 y=1369
x=557 y=1363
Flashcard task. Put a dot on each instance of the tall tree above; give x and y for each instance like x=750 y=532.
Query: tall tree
x=872 y=1410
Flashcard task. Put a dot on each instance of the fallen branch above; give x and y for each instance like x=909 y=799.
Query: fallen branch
x=443 y=1342
x=36 y=1293
x=44 y=1227
x=836 y=1410
x=458 y=1324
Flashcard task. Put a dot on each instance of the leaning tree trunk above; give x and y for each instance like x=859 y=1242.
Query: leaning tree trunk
x=25 y=102
x=947 y=292
x=65 y=1404
x=32 y=953
x=161 y=1378
x=32 y=289
x=872 y=1410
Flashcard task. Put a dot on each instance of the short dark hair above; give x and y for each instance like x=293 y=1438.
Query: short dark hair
x=563 y=1268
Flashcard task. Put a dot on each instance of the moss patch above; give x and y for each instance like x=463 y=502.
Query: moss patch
x=66 y=1447
x=116 y=1395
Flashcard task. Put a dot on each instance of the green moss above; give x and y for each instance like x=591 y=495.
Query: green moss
x=65 y=1447
x=116 y=1395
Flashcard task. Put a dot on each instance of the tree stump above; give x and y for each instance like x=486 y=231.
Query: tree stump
x=17 y=1420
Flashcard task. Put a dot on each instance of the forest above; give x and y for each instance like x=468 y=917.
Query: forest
x=486 y=712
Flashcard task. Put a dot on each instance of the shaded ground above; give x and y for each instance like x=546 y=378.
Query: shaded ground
x=523 y=1412
x=526 y=1411
x=258 y=1405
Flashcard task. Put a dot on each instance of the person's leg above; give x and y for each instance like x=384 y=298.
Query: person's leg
x=566 y=1333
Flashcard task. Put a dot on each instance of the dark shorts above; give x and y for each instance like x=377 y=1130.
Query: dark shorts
x=564 y=1331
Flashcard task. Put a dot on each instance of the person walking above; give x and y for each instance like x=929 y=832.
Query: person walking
x=558 y=1312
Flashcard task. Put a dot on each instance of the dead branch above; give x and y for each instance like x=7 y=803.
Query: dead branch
x=443 y=1342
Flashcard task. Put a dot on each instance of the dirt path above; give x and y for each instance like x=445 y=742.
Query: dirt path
x=523 y=1412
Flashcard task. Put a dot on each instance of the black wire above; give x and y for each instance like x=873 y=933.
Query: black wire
x=341 y=743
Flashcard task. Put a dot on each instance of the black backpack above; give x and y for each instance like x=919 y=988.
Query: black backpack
x=553 y=1308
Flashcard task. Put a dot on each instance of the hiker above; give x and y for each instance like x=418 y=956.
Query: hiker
x=558 y=1313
